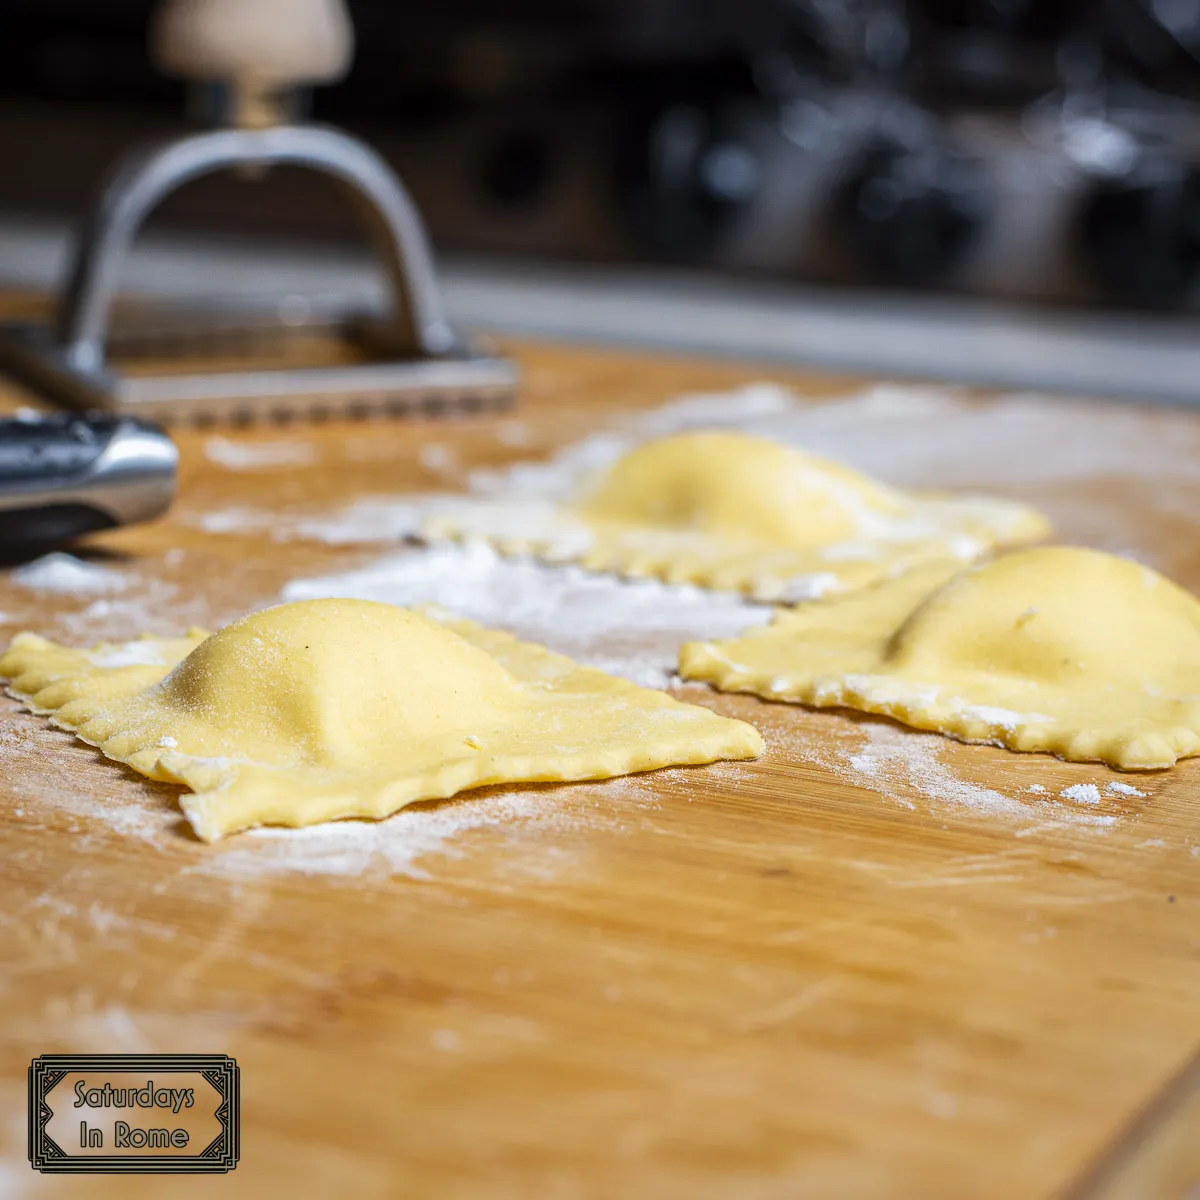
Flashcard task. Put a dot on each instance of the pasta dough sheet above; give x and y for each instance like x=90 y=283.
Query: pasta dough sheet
x=1065 y=650
x=740 y=513
x=324 y=709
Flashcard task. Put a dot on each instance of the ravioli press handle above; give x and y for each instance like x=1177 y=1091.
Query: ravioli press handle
x=62 y=476
x=257 y=54
x=260 y=51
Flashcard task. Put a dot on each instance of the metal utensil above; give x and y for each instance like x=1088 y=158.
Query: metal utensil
x=62 y=476
x=258 y=55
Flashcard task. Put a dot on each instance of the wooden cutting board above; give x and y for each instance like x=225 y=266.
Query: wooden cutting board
x=775 y=979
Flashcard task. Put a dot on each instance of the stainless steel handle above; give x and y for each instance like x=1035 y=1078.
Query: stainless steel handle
x=416 y=327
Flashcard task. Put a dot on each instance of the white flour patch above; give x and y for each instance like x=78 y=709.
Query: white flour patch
x=632 y=629
x=130 y=654
x=893 y=756
x=368 y=519
x=529 y=822
x=46 y=781
x=371 y=519
x=1101 y=822
x=110 y=605
x=1123 y=789
x=439 y=459
x=254 y=456
x=395 y=846
x=904 y=766
x=145 y=606
x=232 y=520
x=65 y=574
x=513 y=433
x=1081 y=793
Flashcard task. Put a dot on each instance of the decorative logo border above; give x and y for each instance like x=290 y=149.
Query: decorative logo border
x=218 y=1157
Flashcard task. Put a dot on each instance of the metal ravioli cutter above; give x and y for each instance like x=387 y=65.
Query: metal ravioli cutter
x=408 y=361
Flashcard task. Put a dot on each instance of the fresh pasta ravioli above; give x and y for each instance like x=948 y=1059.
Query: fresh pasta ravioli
x=732 y=511
x=1082 y=654
x=323 y=709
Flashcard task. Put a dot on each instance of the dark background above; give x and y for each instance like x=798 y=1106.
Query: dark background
x=1044 y=149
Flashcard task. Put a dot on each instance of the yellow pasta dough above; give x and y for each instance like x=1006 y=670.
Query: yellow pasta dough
x=348 y=708
x=732 y=511
x=1060 y=649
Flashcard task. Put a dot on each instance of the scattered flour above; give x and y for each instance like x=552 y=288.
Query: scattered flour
x=513 y=433
x=1103 y=822
x=46 y=783
x=1123 y=789
x=129 y=654
x=44 y=779
x=109 y=605
x=893 y=756
x=1082 y=793
x=252 y=456
x=632 y=629
x=371 y=519
x=900 y=764
x=66 y=574
x=908 y=436
x=233 y=520
x=148 y=605
x=395 y=846
x=438 y=458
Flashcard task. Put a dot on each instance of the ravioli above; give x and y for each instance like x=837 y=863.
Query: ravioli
x=324 y=709
x=1059 y=649
x=732 y=511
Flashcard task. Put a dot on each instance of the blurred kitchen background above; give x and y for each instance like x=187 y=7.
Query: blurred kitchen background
x=990 y=191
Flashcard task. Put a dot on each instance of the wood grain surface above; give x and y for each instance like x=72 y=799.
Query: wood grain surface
x=776 y=979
